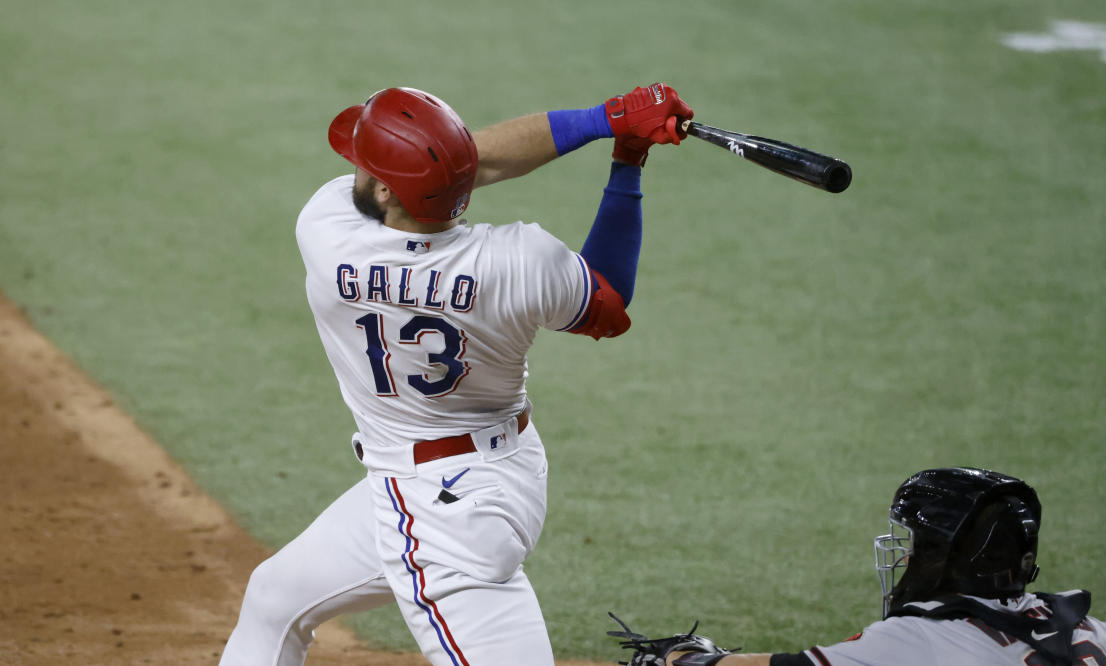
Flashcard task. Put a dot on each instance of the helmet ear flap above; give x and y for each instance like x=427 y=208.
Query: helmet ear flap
x=996 y=554
x=1030 y=568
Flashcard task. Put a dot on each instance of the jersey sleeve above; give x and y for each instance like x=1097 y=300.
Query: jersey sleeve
x=322 y=224
x=558 y=283
x=899 y=641
x=577 y=298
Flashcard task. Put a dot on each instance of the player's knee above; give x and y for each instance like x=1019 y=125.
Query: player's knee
x=266 y=629
x=266 y=599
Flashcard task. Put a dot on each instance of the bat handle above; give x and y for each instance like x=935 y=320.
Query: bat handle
x=691 y=128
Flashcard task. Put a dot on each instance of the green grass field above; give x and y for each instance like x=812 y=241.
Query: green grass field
x=794 y=355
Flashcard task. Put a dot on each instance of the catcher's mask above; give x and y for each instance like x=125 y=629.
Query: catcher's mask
x=958 y=530
x=415 y=144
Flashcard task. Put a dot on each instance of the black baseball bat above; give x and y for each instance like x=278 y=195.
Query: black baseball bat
x=806 y=166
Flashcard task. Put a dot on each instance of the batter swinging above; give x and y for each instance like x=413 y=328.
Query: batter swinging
x=427 y=321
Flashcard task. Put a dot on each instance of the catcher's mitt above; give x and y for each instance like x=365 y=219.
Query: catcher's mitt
x=654 y=651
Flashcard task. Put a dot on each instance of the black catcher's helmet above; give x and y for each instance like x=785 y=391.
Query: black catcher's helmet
x=959 y=529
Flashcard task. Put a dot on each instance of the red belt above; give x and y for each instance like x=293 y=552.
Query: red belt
x=456 y=445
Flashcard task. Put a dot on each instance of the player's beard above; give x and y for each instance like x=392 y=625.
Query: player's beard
x=363 y=200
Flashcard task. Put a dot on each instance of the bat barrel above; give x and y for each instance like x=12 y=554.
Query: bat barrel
x=821 y=171
x=806 y=166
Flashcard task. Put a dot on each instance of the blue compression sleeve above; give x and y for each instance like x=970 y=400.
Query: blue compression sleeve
x=614 y=242
x=573 y=128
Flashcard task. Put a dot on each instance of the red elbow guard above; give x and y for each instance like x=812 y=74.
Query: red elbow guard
x=606 y=316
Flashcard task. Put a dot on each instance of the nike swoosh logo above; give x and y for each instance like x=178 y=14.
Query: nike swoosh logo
x=1041 y=637
x=449 y=483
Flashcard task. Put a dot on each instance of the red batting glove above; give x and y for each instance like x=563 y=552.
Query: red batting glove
x=649 y=113
x=633 y=150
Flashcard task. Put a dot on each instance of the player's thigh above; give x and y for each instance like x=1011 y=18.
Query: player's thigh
x=333 y=562
x=456 y=566
x=464 y=620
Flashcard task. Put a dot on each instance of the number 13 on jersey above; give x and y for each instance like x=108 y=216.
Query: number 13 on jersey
x=411 y=333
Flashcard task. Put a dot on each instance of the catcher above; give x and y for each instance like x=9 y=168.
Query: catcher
x=953 y=570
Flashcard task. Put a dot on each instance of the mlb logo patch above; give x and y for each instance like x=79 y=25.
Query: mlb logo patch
x=418 y=247
x=498 y=440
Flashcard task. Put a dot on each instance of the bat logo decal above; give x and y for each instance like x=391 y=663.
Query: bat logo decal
x=735 y=148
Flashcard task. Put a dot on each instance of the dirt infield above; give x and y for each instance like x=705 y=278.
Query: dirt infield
x=111 y=554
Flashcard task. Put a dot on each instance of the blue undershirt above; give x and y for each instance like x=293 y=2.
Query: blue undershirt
x=614 y=242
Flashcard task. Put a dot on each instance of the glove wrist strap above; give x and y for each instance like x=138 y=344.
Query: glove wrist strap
x=698 y=659
x=573 y=128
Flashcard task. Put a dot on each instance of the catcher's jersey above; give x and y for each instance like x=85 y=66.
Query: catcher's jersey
x=909 y=641
x=428 y=333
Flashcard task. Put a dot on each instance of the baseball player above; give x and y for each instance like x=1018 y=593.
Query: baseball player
x=427 y=320
x=962 y=547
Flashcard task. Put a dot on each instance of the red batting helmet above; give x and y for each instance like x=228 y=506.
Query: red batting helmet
x=415 y=144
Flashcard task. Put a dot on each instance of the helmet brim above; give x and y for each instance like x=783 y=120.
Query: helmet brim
x=341 y=133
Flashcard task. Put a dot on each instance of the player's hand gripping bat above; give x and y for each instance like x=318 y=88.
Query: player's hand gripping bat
x=806 y=166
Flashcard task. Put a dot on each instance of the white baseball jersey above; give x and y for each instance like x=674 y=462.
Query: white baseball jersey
x=921 y=641
x=428 y=333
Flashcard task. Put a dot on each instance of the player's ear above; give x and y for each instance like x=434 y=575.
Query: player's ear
x=382 y=194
